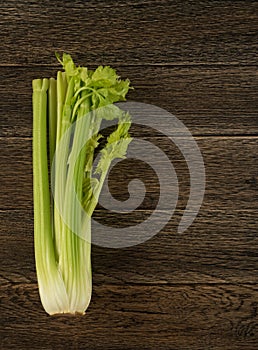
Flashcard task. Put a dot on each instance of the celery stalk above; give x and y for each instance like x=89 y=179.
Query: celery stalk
x=52 y=117
x=51 y=286
x=63 y=253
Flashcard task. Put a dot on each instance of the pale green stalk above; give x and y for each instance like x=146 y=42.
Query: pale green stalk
x=58 y=187
x=52 y=117
x=63 y=244
x=64 y=95
x=51 y=287
x=52 y=125
x=77 y=249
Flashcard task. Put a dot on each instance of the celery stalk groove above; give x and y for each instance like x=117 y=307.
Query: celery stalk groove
x=63 y=257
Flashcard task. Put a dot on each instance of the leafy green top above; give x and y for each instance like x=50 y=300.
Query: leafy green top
x=96 y=91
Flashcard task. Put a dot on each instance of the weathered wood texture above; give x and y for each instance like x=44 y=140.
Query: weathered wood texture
x=209 y=100
x=220 y=247
x=138 y=317
x=198 y=60
x=230 y=164
x=131 y=32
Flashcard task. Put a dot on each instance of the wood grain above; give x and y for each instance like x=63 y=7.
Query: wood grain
x=209 y=101
x=174 y=317
x=191 y=291
x=132 y=32
x=231 y=173
x=220 y=247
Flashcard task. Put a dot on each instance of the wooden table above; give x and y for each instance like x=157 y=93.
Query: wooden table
x=197 y=60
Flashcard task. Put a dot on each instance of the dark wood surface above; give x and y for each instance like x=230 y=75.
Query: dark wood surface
x=198 y=60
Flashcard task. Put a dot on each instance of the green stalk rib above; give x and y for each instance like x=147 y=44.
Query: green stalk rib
x=77 y=249
x=58 y=186
x=51 y=287
x=62 y=222
x=52 y=118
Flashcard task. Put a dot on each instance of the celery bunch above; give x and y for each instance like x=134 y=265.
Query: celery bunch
x=67 y=111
